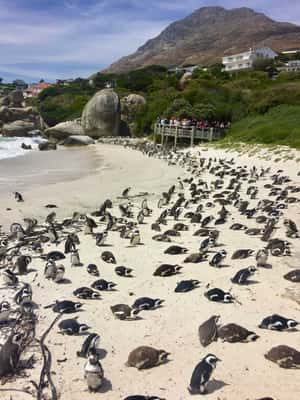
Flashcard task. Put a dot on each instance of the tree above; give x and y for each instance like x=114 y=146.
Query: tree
x=1 y=80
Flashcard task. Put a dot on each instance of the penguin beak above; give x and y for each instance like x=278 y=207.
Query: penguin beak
x=218 y=359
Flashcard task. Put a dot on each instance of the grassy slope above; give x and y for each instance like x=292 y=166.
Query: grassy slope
x=280 y=125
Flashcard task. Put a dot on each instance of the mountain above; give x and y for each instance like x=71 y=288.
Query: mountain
x=208 y=34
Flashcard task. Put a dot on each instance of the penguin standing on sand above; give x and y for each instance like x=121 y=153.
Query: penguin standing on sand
x=202 y=374
x=93 y=371
x=18 y=197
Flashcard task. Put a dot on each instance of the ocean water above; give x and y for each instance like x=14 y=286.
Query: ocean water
x=11 y=146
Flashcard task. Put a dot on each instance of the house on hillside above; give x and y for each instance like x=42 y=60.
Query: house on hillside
x=246 y=60
x=291 y=66
x=35 y=89
x=177 y=70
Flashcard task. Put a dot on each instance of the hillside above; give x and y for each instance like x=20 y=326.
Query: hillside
x=206 y=35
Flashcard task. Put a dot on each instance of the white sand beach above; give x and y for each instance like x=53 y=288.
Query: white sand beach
x=243 y=373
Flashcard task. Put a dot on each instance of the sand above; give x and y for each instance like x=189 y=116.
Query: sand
x=243 y=374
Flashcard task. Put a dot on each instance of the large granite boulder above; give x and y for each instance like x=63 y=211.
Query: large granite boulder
x=78 y=141
x=63 y=130
x=185 y=79
x=10 y=114
x=13 y=99
x=101 y=115
x=47 y=145
x=130 y=106
x=17 y=128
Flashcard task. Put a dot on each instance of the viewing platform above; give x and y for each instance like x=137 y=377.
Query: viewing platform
x=189 y=132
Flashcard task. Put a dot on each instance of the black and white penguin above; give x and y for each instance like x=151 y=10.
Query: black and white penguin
x=241 y=277
x=10 y=354
x=22 y=264
x=278 y=323
x=9 y=278
x=135 y=238
x=146 y=303
x=92 y=269
x=91 y=342
x=101 y=238
x=124 y=312
x=123 y=271
x=93 y=371
x=125 y=192
x=60 y=273
x=187 y=285
x=50 y=269
x=102 y=284
x=108 y=257
x=293 y=276
x=55 y=256
x=262 y=257
x=90 y=225
x=242 y=254
x=86 y=293
x=141 y=397
x=219 y=295
x=18 y=197
x=207 y=243
x=206 y=221
x=162 y=238
x=202 y=374
x=72 y=327
x=5 y=310
x=174 y=250
x=218 y=258
x=24 y=294
x=65 y=307
x=196 y=258
x=167 y=270
x=75 y=259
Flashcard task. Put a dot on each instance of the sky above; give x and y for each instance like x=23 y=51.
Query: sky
x=55 y=39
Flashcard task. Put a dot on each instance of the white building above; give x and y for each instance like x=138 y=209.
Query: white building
x=246 y=60
x=291 y=66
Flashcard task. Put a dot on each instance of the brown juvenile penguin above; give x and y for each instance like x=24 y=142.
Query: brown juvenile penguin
x=146 y=357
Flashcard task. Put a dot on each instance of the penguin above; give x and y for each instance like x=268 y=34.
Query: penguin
x=207 y=243
x=65 y=307
x=202 y=374
x=50 y=270
x=123 y=271
x=60 y=273
x=180 y=227
x=206 y=221
x=172 y=232
x=293 y=276
x=196 y=258
x=86 y=293
x=10 y=354
x=262 y=257
x=75 y=259
x=101 y=238
x=126 y=192
x=208 y=330
x=91 y=342
x=241 y=277
x=70 y=243
x=18 y=197
x=55 y=256
x=50 y=219
x=167 y=270
x=234 y=333
x=156 y=227
x=162 y=238
x=108 y=257
x=145 y=357
x=278 y=323
x=92 y=269
x=103 y=285
x=93 y=371
x=242 y=254
x=146 y=303
x=9 y=278
x=174 y=250
x=218 y=295
x=5 y=310
x=218 y=258
x=284 y=356
x=72 y=327
x=135 y=238
x=90 y=225
x=24 y=294
x=22 y=264
x=124 y=312
x=187 y=285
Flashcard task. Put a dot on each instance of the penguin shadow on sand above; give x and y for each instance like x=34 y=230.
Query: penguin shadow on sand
x=265 y=266
x=105 y=387
x=214 y=385
x=64 y=281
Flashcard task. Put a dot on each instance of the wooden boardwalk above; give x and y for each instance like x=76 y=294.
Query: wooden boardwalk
x=191 y=132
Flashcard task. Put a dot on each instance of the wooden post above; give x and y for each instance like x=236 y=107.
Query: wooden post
x=155 y=132
x=192 y=135
x=211 y=134
x=162 y=131
x=176 y=136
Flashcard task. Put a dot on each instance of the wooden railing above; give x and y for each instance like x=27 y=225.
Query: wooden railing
x=191 y=132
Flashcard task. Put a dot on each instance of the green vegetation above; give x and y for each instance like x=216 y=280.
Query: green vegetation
x=262 y=106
